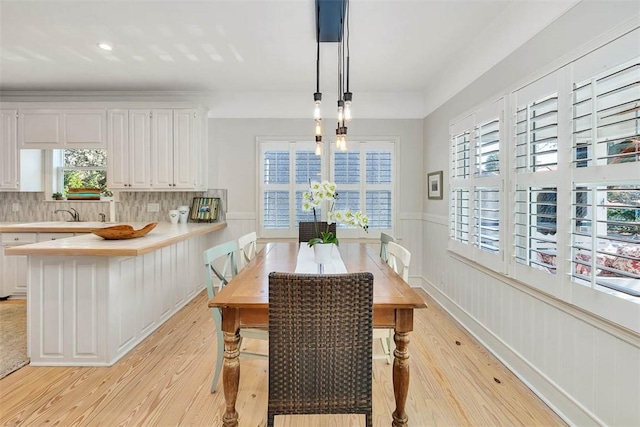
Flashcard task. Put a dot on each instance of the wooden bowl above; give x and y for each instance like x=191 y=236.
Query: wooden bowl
x=120 y=232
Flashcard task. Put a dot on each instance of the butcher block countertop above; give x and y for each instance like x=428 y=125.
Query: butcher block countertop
x=164 y=234
x=54 y=227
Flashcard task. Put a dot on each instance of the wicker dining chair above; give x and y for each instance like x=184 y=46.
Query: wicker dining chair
x=320 y=339
x=307 y=230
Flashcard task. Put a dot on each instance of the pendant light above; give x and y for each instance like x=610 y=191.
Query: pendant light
x=317 y=96
x=345 y=96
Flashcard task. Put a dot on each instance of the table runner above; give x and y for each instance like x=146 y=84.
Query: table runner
x=306 y=265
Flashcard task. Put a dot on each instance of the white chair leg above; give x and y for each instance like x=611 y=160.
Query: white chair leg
x=385 y=345
x=391 y=344
x=220 y=356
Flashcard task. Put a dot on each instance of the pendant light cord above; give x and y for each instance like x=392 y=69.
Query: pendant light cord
x=348 y=34
x=318 y=50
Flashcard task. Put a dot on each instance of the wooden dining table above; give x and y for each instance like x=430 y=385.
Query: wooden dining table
x=244 y=303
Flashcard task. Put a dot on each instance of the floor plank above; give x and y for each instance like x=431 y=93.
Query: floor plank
x=165 y=381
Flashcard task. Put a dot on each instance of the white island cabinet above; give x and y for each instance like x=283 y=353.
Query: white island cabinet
x=90 y=301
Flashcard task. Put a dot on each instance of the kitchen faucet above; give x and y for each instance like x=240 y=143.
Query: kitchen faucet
x=75 y=215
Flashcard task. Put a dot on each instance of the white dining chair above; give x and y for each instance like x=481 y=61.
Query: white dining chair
x=217 y=278
x=248 y=248
x=398 y=259
x=384 y=240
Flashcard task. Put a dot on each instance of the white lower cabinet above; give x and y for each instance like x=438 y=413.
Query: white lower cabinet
x=13 y=280
x=14 y=277
x=92 y=310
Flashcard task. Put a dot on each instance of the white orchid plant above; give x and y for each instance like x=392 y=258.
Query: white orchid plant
x=325 y=191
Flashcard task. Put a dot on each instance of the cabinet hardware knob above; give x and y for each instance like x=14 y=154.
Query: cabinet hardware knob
x=16 y=238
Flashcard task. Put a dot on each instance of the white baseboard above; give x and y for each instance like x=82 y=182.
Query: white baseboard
x=557 y=399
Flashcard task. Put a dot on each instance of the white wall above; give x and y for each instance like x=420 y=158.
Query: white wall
x=234 y=149
x=586 y=368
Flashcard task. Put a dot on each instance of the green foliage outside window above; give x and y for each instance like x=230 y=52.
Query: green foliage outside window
x=85 y=168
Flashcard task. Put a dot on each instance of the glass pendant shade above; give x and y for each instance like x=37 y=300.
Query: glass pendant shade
x=347 y=111
x=316 y=111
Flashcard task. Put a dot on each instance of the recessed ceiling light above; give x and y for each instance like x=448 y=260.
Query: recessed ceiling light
x=105 y=46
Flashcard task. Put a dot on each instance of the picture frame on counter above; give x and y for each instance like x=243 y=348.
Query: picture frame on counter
x=205 y=209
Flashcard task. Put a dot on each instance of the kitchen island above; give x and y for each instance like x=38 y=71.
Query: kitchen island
x=90 y=301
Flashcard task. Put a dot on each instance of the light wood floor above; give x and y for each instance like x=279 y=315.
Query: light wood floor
x=165 y=381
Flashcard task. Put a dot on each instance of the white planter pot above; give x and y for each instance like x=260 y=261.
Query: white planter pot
x=323 y=253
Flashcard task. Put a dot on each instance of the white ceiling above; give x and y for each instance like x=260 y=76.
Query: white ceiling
x=247 y=57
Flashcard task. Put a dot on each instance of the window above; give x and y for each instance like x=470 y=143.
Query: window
x=474 y=215
x=569 y=153
x=364 y=176
x=605 y=235
x=535 y=165
x=79 y=168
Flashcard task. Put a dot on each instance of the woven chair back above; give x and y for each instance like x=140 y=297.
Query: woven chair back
x=320 y=344
x=307 y=230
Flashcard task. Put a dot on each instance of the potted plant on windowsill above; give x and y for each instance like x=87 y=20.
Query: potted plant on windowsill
x=106 y=195
x=325 y=240
x=57 y=196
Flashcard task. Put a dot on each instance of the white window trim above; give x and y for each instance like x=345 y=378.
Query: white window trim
x=362 y=187
x=607 y=53
x=484 y=114
x=326 y=171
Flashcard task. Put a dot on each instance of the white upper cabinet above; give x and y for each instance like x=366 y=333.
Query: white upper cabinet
x=129 y=149
x=9 y=159
x=162 y=149
x=62 y=128
x=85 y=128
x=155 y=149
x=175 y=163
x=187 y=154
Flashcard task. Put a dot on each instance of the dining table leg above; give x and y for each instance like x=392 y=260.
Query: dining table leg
x=404 y=324
x=231 y=366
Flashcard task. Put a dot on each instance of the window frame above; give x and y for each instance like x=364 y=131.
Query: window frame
x=362 y=187
x=264 y=144
x=471 y=182
x=54 y=169
x=569 y=177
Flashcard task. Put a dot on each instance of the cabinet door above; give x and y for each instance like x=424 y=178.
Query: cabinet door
x=9 y=165
x=14 y=267
x=185 y=170
x=41 y=129
x=140 y=148
x=85 y=128
x=162 y=162
x=15 y=272
x=118 y=149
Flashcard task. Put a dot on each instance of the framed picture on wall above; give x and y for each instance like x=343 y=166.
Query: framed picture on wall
x=434 y=185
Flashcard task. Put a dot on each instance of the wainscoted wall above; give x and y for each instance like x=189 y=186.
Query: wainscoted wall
x=131 y=206
x=585 y=368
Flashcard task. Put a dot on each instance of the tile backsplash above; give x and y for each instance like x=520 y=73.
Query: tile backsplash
x=131 y=206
